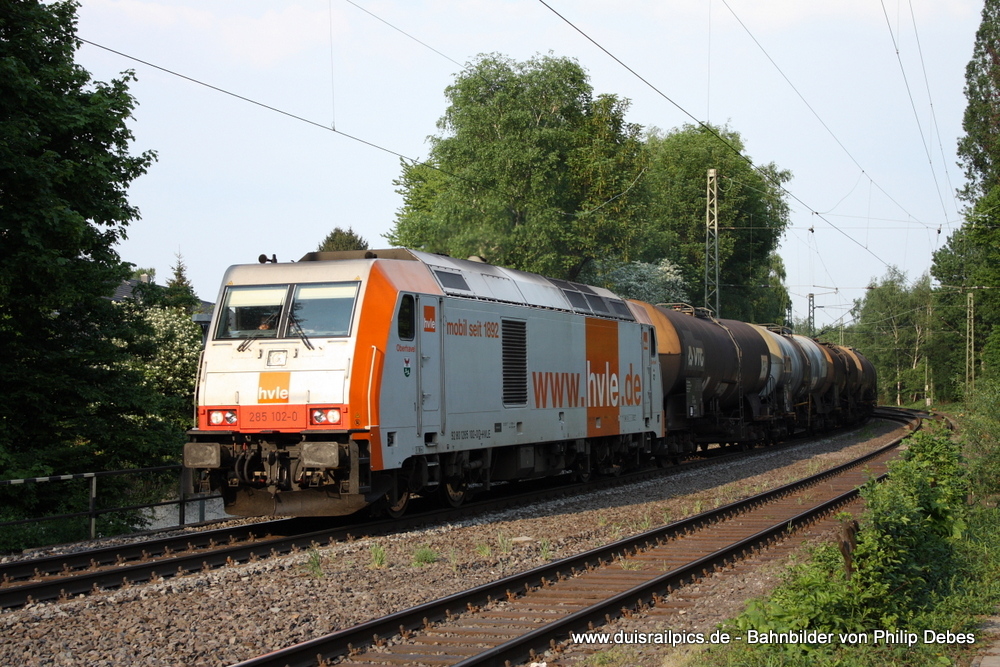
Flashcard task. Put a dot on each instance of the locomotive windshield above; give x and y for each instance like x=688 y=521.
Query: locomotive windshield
x=252 y=312
x=317 y=309
x=323 y=310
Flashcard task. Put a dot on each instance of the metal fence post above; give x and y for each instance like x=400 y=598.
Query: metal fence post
x=182 y=506
x=93 y=507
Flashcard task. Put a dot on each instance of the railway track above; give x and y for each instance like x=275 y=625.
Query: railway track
x=69 y=575
x=517 y=618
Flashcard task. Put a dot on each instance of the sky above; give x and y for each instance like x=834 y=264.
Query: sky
x=862 y=100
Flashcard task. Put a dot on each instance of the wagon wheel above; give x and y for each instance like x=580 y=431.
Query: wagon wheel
x=454 y=493
x=398 y=509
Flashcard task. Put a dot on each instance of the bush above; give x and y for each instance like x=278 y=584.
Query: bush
x=910 y=563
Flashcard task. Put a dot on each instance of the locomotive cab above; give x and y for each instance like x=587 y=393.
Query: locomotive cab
x=273 y=405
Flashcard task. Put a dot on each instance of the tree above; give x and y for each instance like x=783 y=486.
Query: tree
x=894 y=325
x=979 y=149
x=340 y=239
x=179 y=293
x=969 y=263
x=74 y=401
x=752 y=215
x=531 y=171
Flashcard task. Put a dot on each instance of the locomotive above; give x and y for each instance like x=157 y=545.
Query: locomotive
x=363 y=378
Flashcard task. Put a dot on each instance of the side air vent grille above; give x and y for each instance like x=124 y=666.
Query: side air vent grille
x=514 y=340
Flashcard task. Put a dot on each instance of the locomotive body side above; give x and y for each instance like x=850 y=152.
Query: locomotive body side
x=443 y=373
x=361 y=378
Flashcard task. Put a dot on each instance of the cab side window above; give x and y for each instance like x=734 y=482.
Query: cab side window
x=406 y=318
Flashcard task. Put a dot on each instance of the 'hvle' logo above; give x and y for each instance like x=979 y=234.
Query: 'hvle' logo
x=430 y=319
x=273 y=387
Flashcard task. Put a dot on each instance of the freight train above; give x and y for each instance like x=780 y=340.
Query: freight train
x=355 y=379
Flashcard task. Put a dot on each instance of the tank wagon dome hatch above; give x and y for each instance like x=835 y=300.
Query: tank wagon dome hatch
x=475 y=279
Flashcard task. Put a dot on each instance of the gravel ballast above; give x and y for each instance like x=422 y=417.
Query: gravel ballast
x=238 y=612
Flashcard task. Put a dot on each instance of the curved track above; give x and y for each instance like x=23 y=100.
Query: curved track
x=68 y=575
x=508 y=621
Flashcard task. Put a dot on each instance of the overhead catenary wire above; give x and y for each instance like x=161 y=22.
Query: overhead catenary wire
x=340 y=132
x=244 y=98
x=839 y=229
x=913 y=106
x=707 y=128
x=930 y=101
x=403 y=32
x=809 y=106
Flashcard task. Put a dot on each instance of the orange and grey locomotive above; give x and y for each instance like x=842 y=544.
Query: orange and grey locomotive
x=362 y=378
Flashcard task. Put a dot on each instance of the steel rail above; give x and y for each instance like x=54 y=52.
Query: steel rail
x=342 y=642
x=66 y=575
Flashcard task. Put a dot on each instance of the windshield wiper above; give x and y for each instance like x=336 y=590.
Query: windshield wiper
x=245 y=345
x=298 y=327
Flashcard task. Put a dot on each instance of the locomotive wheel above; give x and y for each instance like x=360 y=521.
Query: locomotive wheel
x=454 y=493
x=399 y=509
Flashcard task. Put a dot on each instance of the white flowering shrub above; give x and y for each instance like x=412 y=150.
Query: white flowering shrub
x=652 y=283
x=173 y=364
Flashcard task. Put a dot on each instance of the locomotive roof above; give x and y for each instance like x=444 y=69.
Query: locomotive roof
x=475 y=279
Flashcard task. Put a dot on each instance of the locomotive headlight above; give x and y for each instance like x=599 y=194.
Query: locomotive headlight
x=330 y=416
x=220 y=417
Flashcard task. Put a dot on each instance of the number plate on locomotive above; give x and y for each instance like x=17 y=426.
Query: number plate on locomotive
x=267 y=417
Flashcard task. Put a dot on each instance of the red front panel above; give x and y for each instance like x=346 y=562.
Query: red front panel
x=255 y=418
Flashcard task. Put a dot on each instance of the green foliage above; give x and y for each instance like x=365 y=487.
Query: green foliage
x=171 y=367
x=179 y=292
x=752 y=217
x=314 y=564
x=968 y=586
x=76 y=400
x=653 y=283
x=907 y=560
x=979 y=149
x=425 y=556
x=968 y=263
x=981 y=430
x=535 y=172
x=894 y=328
x=141 y=274
x=505 y=545
x=379 y=556
x=340 y=239
x=532 y=171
